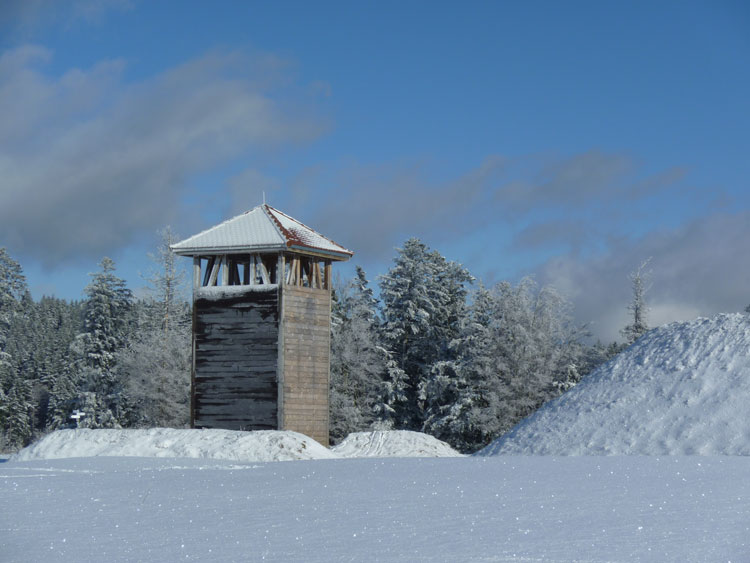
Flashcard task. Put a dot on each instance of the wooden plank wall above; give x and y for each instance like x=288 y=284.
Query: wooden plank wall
x=306 y=346
x=235 y=361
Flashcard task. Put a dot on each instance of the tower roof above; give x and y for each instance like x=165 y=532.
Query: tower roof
x=262 y=229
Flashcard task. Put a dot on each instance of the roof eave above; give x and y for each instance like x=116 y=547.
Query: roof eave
x=333 y=254
x=208 y=251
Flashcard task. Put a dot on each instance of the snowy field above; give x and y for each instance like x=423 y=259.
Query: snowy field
x=180 y=495
x=451 y=509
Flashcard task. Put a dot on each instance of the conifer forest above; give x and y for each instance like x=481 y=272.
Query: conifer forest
x=432 y=350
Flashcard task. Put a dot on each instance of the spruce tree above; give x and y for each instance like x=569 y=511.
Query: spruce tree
x=18 y=410
x=475 y=398
x=106 y=317
x=12 y=289
x=423 y=301
x=14 y=416
x=107 y=320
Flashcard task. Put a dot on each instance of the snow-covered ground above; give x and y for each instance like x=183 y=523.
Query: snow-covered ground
x=683 y=388
x=627 y=509
x=215 y=496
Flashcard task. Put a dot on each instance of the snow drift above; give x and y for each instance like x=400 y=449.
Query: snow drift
x=683 y=388
x=264 y=445
x=393 y=443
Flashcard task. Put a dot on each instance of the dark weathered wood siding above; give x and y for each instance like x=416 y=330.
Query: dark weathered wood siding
x=305 y=341
x=235 y=360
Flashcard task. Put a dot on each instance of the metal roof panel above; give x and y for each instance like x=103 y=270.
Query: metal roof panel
x=261 y=228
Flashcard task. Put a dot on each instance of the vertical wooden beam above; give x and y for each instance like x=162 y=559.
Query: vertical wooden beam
x=318 y=276
x=328 y=284
x=196 y=272
x=290 y=275
x=297 y=277
x=253 y=270
x=224 y=270
x=280 y=269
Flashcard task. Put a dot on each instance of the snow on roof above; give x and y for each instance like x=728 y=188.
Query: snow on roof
x=261 y=229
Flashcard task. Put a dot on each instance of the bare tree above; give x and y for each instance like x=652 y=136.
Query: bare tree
x=155 y=365
x=640 y=280
x=167 y=283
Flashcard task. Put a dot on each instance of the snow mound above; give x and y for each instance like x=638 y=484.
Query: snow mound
x=681 y=389
x=393 y=443
x=264 y=445
x=256 y=446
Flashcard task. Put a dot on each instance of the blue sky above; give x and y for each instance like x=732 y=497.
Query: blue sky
x=569 y=141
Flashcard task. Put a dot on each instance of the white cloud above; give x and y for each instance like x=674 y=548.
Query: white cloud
x=699 y=268
x=374 y=208
x=90 y=162
x=25 y=17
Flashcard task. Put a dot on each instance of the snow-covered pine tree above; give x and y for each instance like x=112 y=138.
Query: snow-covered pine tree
x=440 y=389
x=63 y=398
x=12 y=289
x=640 y=283
x=474 y=396
x=538 y=342
x=392 y=395
x=107 y=323
x=106 y=317
x=18 y=410
x=358 y=362
x=12 y=387
x=423 y=299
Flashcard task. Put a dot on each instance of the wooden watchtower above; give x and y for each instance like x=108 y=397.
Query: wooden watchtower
x=261 y=324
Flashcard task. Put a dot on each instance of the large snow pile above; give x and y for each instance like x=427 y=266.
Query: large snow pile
x=393 y=443
x=266 y=445
x=683 y=388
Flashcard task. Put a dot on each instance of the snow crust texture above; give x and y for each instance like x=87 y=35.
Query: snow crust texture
x=393 y=443
x=264 y=445
x=681 y=389
x=521 y=509
x=257 y=446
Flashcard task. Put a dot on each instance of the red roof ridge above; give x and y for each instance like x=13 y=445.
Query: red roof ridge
x=287 y=235
x=292 y=239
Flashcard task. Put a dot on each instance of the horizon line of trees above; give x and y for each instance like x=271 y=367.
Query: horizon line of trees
x=432 y=354
x=115 y=360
